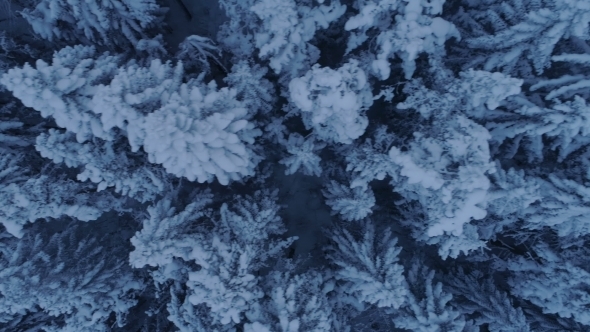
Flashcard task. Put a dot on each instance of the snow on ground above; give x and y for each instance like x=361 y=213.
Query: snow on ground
x=10 y=22
x=304 y=212
x=191 y=17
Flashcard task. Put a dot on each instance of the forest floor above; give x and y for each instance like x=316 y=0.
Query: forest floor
x=189 y=17
x=305 y=213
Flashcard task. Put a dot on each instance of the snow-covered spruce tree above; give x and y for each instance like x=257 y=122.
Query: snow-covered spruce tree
x=427 y=308
x=253 y=89
x=203 y=133
x=194 y=130
x=240 y=246
x=42 y=197
x=229 y=248
x=77 y=282
x=333 y=102
x=206 y=133
x=166 y=234
x=166 y=242
x=104 y=164
x=475 y=93
x=556 y=280
x=510 y=195
x=104 y=22
x=369 y=160
x=350 y=203
x=133 y=93
x=563 y=205
x=302 y=155
x=508 y=31
x=236 y=34
x=566 y=86
x=551 y=118
x=403 y=29
x=367 y=268
x=476 y=296
x=295 y=303
x=64 y=89
x=26 y=198
x=446 y=165
x=537 y=130
x=286 y=29
x=195 y=52
x=73 y=92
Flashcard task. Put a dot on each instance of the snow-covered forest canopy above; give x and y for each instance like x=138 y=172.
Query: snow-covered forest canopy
x=294 y=165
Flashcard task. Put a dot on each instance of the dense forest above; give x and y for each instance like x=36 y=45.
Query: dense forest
x=294 y=165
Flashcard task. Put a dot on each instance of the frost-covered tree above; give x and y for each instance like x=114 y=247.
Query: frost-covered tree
x=508 y=31
x=475 y=93
x=567 y=85
x=106 y=22
x=286 y=29
x=510 y=195
x=276 y=131
x=203 y=133
x=253 y=89
x=166 y=242
x=68 y=275
x=236 y=34
x=25 y=198
x=229 y=260
x=194 y=130
x=368 y=268
x=556 y=281
x=302 y=155
x=42 y=197
x=296 y=303
x=333 y=102
x=479 y=299
x=563 y=206
x=535 y=129
x=167 y=234
x=195 y=52
x=428 y=308
x=133 y=93
x=64 y=89
x=446 y=170
x=350 y=203
x=228 y=255
x=225 y=283
x=370 y=161
x=104 y=165
x=403 y=28
x=446 y=165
